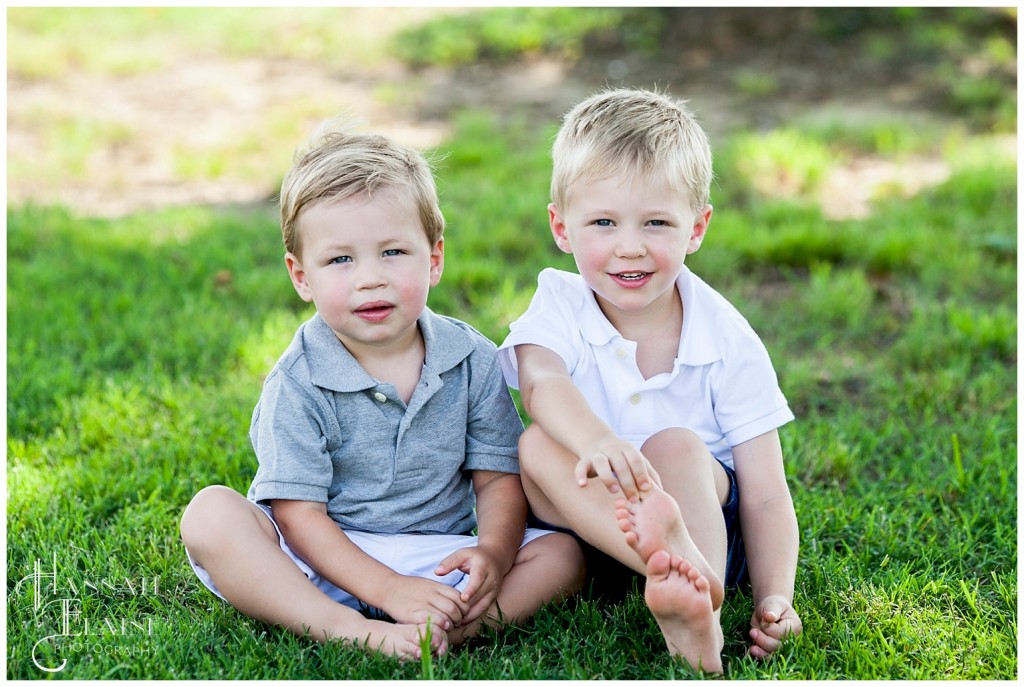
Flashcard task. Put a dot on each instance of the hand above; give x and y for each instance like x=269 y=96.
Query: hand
x=485 y=579
x=619 y=465
x=774 y=619
x=416 y=600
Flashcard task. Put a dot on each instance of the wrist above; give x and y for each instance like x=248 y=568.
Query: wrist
x=502 y=556
x=382 y=592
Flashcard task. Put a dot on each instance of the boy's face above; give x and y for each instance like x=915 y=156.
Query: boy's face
x=367 y=265
x=629 y=238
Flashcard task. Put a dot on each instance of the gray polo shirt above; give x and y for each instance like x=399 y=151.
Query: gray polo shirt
x=325 y=431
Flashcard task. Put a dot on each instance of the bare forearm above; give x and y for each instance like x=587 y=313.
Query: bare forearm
x=501 y=517
x=563 y=413
x=772 y=540
x=317 y=539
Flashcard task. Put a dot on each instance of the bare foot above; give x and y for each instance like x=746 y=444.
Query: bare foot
x=680 y=600
x=399 y=640
x=655 y=524
x=652 y=524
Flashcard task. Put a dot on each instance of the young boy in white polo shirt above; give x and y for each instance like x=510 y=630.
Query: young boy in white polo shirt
x=637 y=373
x=385 y=435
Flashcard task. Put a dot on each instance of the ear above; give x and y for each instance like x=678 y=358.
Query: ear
x=558 y=229
x=436 y=262
x=700 y=228
x=298 y=276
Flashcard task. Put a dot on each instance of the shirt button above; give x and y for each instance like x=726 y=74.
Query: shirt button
x=634 y=399
x=380 y=397
x=619 y=353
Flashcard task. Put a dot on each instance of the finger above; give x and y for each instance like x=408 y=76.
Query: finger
x=765 y=642
x=769 y=615
x=783 y=628
x=455 y=596
x=623 y=472
x=449 y=607
x=608 y=477
x=453 y=561
x=438 y=640
x=638 y=470
x=444 y=619
x=476 y=582
x=582 y=472
x=431 y=615
x=655 y=477
x=478 y=609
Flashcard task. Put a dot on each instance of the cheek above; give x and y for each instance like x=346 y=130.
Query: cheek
x=671 y=253
x=590 y=258
x=414 y=289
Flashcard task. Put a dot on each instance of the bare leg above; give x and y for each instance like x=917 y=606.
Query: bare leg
x=684 y=605
x=699 y=485
x=689 y=475
x=236 y=543
x=678 y=596
x=548 y=569
x=547 y=474
x=655 y=524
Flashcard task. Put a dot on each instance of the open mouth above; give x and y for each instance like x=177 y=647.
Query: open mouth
x=374 y=312
x=632 y=280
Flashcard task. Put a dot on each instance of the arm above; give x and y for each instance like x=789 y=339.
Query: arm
x=552 y=400
x=316 y=538
x=771 y=539
x=501 y=521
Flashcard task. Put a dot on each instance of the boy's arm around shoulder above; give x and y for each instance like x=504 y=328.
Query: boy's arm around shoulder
x=771 y=539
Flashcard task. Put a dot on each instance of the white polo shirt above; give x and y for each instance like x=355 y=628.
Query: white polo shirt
x=723 y=386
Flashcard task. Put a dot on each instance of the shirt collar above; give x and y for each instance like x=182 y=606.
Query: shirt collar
x=697 y=342
x=331 y=366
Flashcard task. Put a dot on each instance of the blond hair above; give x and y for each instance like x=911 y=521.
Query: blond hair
x=634 y=132
x=336 y=163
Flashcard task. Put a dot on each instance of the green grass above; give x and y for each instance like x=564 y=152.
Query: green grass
x=49 y=42
x=509 y=32
x=136 y=349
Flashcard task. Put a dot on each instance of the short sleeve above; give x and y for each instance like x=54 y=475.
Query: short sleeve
x=547 y=322
x=748 y=401
x=288 y=434
x=493 y=425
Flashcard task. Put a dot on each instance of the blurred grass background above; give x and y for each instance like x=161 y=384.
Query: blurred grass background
x=874 y=249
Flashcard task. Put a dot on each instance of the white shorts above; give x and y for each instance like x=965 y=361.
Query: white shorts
x=406 y=554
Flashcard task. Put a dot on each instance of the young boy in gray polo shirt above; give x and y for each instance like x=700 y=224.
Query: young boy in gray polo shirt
x=377 y=432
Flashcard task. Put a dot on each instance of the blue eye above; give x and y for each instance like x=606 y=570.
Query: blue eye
x=341 y=259
x=603 y=222
x=658 y=223
x=392 y=252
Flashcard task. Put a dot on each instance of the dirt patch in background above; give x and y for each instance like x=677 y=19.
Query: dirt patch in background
x=222 y=131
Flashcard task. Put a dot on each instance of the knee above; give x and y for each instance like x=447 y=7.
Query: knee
x=204 y=513
x=532 y=445
x=568 y=564
x=675 y=446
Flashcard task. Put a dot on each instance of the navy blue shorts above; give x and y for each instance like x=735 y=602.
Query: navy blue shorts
x=609 y=578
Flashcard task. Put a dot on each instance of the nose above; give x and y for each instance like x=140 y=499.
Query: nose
x=370 y=275
x=630 y=244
